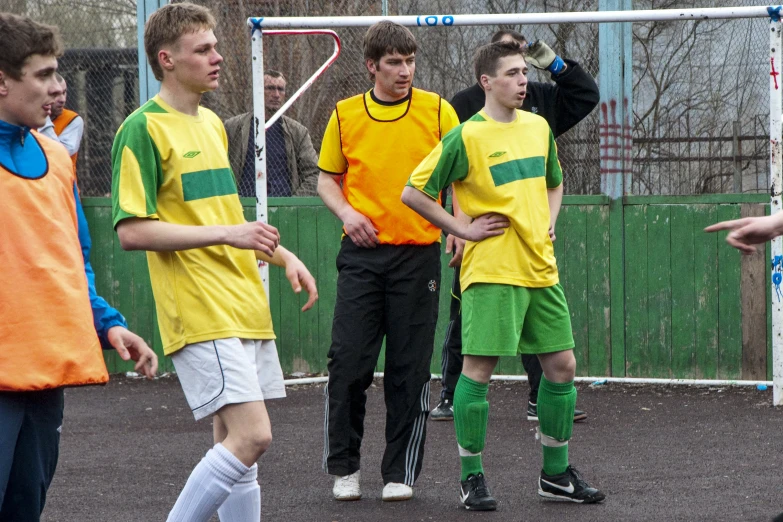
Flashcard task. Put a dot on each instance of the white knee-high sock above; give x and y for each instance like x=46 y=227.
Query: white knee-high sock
x=244 y=502
x=208 y=486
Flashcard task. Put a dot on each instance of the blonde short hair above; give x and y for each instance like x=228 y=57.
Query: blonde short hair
x=167 y=24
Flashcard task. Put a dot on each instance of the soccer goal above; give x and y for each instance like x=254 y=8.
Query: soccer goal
x=682 y=113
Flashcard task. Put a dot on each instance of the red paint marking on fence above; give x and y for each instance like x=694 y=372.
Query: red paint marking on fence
x=774 y=73
x=615 y=139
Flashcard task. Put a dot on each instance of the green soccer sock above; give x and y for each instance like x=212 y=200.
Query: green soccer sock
x=556 y=402
x=471 y=411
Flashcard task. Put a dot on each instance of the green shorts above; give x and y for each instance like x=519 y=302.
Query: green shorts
x=502 y=320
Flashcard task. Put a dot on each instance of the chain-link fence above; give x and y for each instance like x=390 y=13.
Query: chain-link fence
x=700 y=107
x=100 y=67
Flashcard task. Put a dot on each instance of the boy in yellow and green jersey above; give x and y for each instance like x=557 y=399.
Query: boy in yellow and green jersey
x=508 y=182
x=174 y=195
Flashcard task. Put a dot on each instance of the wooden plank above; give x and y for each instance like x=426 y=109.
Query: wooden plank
x=308 y=321
x=101 y=232
x=138 y=301
x=122 y=294
x=288 y=332
x=99 y=224
x=586 y=200
x=700 y=199
x=706 y=291
x=683 y=295
x=574 y=279
x=635 y=290
x=754 y=308
x=598 y=291
x=656 y=362
x=729 y=301
x=328 y=245
x=617 y=260
x=444 y=300
x=275 y=288
x=250 y=213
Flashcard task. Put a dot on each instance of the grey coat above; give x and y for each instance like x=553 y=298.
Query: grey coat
x=301 y=157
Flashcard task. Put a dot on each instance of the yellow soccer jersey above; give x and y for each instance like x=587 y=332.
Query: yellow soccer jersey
x=332 y=159
x=504 y=168
x=376 y=146
x=174 y=167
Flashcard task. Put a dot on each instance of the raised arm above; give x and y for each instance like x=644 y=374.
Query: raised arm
x=573 y=96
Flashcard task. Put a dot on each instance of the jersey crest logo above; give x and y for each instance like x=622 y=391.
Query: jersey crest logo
x=497 y=154
x=191 y=154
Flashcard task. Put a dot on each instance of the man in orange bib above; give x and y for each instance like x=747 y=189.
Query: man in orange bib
x=52 y=323
x=389 y=263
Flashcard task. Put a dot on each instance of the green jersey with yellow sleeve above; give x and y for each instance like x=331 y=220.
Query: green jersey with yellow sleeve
x=505 y=168
x=173 y=167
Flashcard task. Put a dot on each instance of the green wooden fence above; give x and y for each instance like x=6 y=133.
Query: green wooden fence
x=692 y=306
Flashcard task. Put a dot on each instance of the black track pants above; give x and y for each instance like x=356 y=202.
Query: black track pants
x=389 y=291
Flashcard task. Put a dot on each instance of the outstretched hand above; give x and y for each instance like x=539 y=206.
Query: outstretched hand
x=485 y=226
x=131 y=346
x=746 y=232
x=300 y=277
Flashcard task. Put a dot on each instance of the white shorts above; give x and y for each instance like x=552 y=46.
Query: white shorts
x=228 y=371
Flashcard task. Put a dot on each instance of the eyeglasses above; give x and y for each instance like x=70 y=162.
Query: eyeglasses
x=272 y=88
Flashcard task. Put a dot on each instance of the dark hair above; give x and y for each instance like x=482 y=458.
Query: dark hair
x=387 y=37
x=167 y=24
x=22 y=37
x=519 y=37
x=274 y=74
x=486 y=59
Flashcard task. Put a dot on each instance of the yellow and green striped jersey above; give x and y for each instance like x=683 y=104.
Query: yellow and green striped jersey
x=174 y=167
x=504 y=168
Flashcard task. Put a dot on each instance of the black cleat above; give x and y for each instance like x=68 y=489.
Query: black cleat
x=568 y=485
x=532 y=413
x=474 y=494
x=444 y=411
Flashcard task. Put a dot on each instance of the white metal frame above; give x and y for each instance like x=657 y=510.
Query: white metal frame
x=776 y=188
x=775 y=98
x=257 y=47
x=515 y=18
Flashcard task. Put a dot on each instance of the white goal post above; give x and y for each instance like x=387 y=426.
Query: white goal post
x=270 y=25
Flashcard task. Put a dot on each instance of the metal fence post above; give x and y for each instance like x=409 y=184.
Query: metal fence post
x=148 y=85
x=776 y=185
x=614 y=78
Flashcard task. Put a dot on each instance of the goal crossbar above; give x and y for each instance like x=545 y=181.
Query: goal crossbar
x=260 y=23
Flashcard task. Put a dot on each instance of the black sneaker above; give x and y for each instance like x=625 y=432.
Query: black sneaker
x=444 y=411
x=474 y=494
x=532 y=413
x=568 y=485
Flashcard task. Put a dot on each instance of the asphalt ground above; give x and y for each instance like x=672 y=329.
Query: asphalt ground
x=659 y=453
